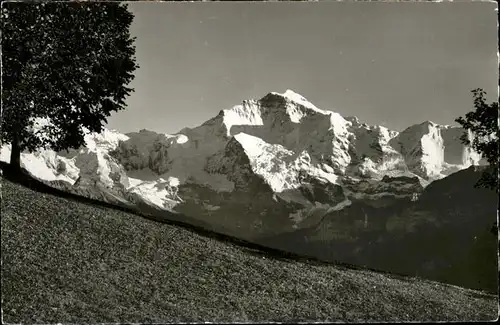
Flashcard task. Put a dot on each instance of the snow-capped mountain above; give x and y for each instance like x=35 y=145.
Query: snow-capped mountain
x=431 y=150
x=268 y=165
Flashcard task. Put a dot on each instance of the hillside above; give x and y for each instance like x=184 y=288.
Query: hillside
x=66 y=261
x=446 y=235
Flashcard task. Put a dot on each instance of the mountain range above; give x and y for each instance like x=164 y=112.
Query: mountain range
x=282 y=171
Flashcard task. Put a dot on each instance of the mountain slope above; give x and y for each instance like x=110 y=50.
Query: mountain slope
x=63 y=261
x=446 y=235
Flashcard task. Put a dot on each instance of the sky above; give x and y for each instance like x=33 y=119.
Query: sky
x=391 y=64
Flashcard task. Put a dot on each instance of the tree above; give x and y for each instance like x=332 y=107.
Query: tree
x=483 y=123
x=66 y=65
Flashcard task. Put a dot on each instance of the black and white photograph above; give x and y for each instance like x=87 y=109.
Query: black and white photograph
x=249 y=162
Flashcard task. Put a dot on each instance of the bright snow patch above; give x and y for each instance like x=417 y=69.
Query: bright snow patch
x=272 y=162
x=246 y=114
x=45 y=165
x=106 y=141
x=159 y=193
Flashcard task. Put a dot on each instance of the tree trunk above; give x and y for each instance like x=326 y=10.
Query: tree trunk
x=15 y=155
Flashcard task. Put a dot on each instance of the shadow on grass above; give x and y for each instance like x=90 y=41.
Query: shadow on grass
x=25 y=179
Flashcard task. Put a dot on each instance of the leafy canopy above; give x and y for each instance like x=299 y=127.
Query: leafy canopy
x=68 y=64
x=483 y=123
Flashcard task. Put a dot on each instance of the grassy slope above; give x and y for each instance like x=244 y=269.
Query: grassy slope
x=66 y=261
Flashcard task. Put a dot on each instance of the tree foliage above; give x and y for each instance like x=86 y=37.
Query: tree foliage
x=68 y=64
x=483 y=123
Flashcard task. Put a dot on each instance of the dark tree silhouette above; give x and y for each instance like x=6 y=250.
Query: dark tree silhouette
x=483 y=123
x=66 y=65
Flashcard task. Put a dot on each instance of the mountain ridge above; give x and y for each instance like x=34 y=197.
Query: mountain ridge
x=281 y=142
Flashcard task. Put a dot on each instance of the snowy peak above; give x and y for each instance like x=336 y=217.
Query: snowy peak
x=106 y=140
x=292 y=95
x=297 y=99
x=271 y=111
x=432 y=151
x=295 y=105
